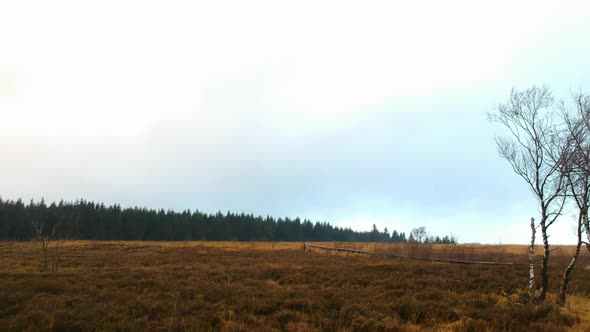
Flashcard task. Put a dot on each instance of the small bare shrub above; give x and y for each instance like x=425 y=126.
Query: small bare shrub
x=52 y=243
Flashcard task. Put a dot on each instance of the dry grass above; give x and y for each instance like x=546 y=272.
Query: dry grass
x=139 y=286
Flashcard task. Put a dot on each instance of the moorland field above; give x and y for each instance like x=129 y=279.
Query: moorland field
x=210 y=286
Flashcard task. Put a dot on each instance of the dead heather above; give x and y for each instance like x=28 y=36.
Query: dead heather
x=202 y=286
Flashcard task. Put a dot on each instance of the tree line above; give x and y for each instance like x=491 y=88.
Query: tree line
x=88 y=220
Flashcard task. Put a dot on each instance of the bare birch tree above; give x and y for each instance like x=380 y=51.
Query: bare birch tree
x=578 y=175
x=578 y=124
x=528 y=115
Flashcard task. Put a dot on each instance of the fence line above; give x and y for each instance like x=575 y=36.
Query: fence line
x=452 y=261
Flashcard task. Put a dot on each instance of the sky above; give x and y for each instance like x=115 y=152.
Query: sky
x=355 y=113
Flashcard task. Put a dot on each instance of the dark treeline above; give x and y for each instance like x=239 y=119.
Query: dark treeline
x=92 y=221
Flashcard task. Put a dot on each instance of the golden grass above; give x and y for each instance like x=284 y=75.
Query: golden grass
x=139 y=286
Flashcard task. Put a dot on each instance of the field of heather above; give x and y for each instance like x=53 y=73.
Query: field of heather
x=203 y=286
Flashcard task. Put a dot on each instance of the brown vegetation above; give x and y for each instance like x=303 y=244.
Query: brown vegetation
x=276 y=286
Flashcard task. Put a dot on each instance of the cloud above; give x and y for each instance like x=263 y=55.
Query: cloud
x=331 y=111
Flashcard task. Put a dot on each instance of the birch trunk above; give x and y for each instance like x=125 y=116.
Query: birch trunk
x=566 y=273
x=587 y=229
x=545 y=261
x=532 y=259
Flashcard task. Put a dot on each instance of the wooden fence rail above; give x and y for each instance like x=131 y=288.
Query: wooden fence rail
x=452 y=261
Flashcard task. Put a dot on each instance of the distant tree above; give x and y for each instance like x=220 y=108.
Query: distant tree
x=419 y=234
x=375 y=234
x=402 y=237
x=395 y=236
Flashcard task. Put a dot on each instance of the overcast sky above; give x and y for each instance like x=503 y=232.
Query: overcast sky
x=356 y=114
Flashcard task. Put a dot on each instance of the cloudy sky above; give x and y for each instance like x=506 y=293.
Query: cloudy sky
x=354 y=113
